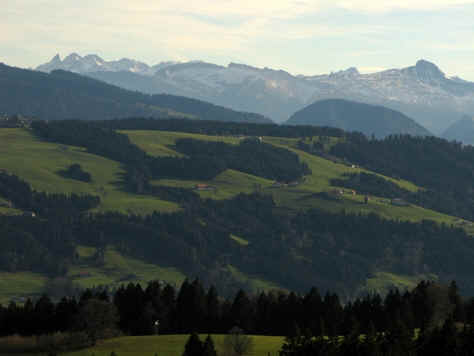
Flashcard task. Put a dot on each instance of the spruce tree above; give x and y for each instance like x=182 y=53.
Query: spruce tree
x=209 y=349
x=194 y=346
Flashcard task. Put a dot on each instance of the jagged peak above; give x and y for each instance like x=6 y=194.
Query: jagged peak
x=56 y=58
x=73 y=57
x=425 y=68
x=93 y=56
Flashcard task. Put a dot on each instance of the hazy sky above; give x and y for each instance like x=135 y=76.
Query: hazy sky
x=300 y=36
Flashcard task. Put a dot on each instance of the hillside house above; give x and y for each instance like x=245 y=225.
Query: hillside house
x=399 y=202
x=204 y=187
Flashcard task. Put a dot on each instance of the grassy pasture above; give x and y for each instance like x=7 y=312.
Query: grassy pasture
x=230 y=182
x=156 y=143
x=382 y=282
x=163 y=345
x=38 y=162
x=119 y=269
x=18 y=284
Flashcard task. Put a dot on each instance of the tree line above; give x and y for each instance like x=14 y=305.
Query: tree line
x=313 y=323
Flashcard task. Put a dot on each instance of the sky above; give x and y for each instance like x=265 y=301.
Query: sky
x=299 y=36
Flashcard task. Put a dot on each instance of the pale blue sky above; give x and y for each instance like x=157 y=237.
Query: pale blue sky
x=299 y=36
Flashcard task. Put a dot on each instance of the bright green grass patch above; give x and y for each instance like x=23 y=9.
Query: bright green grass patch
x=20 y=284
x=171 y=345
x=119 y=269
x=382 y=282
x=228 y=184
x=156 y=142
x=239 y=240
x=38 y=162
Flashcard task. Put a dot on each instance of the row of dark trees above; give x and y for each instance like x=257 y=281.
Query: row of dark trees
x=20 y=194
x=221 y=128
x=163 y=309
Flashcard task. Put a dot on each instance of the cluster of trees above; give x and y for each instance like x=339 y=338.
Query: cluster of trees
x=75 y=171
x=312 y=322
x=250 y=156
x=20 y=194
x=220 y=128
x=445 y=169
x=397 y=341
x=368 y=183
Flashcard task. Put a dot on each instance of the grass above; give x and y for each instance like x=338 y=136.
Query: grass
x=231 y=183
x=254 y=283
x=119 y=269
x=171 y=345
x=228 y=184
x=20 y=284
x=156 y=143
x=239 y=240
x=38 y=162
x=382 y=282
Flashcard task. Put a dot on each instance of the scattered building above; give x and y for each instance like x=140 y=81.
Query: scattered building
x=204 y=187
x=399 y=202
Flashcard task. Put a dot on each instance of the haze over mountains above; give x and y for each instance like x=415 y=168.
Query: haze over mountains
x=462 y=130
x=353 y=116
x=422 y=91
x=66 y=95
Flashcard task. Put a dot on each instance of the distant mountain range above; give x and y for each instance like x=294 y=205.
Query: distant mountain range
x=352 y=116
x=66 y=95
x=422 y=91
x=462 y=130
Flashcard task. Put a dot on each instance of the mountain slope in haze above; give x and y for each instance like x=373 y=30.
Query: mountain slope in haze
x=64 y=95
x=462 y=130
x=421 y=91
x=353 y=116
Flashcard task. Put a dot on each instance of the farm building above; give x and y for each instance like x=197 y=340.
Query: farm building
x=204 y=187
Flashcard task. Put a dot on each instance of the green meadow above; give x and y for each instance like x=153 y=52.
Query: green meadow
x=38 y=163
x=171 y=345
x=162 y=345
x=230 y=182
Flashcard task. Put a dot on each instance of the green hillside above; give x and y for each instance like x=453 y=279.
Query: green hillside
x=302 y=196
x=115 y=270
x=38 y=163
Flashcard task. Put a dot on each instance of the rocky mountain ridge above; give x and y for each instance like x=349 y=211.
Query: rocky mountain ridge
x=422 y=91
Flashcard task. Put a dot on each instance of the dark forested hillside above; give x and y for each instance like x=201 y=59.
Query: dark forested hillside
x=353 y=116
x=65 y=95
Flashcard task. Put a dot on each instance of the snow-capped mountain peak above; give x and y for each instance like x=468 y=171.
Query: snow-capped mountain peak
x=421 y=91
